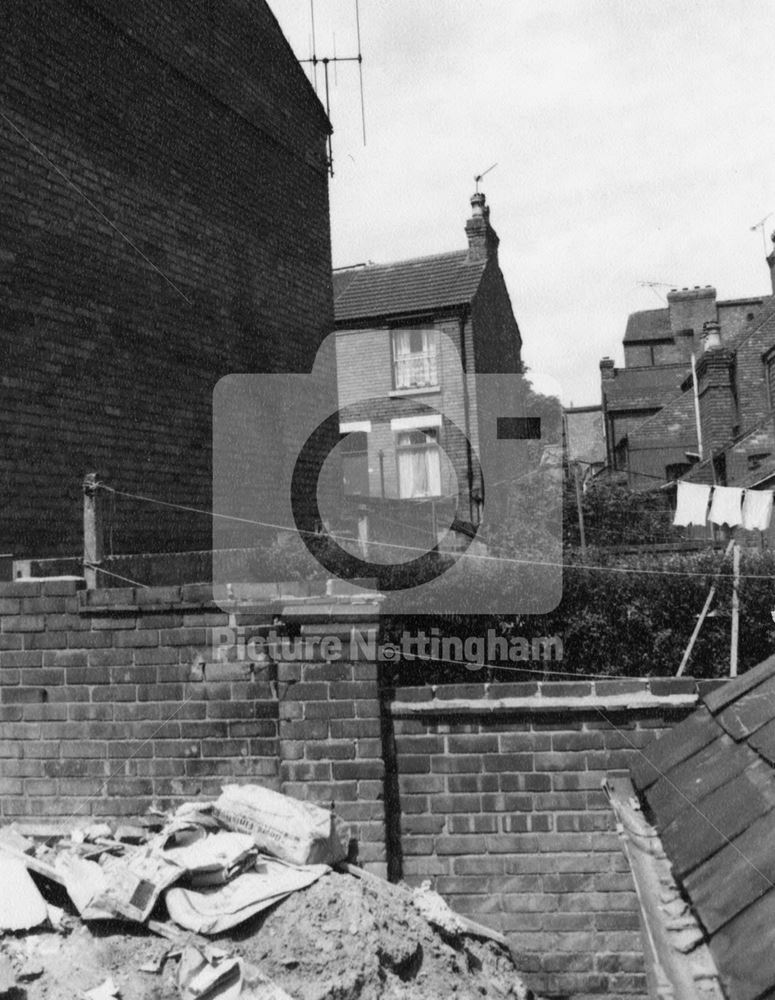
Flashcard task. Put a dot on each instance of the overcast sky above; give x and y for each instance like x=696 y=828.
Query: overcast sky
x=634 y=142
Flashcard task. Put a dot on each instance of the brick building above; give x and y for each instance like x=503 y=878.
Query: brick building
x=165 y=222
x=649 y=414
x=414 y=332
x=736 y=389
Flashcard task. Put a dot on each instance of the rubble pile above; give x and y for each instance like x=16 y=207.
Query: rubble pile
x=247 y=897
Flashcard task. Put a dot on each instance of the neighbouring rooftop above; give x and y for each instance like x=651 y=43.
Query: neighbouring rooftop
x=708 y=787
x=421 y=284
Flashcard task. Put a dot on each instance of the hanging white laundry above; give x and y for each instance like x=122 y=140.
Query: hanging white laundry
x=691 y=504
x=757 y=510
x=726 y=506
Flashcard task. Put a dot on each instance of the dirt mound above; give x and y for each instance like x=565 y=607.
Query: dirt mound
x=343 y=938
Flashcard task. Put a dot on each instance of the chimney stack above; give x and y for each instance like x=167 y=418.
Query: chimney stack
x=482 y=239
x=715 y=391
x=689 y=310
x=607 y=368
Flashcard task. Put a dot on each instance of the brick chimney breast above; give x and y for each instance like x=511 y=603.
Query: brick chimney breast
x=482 y=239
x=716 y=393
x=691 y=309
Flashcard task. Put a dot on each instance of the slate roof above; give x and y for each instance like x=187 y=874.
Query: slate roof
x=709 y=789
x=654 y=324
x=650 y=324
x=644 y=388
x=406 y=286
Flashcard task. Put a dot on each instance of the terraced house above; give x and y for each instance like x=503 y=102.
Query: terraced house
x=412 y=333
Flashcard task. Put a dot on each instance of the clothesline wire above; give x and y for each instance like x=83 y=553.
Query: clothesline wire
x=478 y=557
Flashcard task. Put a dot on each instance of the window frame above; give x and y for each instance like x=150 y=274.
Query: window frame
x=430 y=448
x=431 y=351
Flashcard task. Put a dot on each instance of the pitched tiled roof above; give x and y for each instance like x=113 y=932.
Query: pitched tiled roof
x=709 y=785
x=650 y=324
x=406 y=286
x=639 y=388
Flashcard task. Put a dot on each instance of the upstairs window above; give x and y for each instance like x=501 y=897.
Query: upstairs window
x=415 y=359
x=419 y=464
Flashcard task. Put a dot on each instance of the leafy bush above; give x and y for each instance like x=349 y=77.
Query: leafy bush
x=628 y=616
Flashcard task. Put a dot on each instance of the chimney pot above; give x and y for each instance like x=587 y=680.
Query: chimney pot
x=482 y=238
x=478 y=205
x=711 y=337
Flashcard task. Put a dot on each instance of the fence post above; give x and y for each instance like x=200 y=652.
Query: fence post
x=735 y=611
x=363 y=532
x=580 y=510
x=93 y=523
x=704 y=612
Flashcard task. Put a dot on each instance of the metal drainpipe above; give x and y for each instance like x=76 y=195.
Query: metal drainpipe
x=467 y=415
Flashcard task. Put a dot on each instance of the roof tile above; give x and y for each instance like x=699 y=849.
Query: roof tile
x=697 y=776
x=723 y=696
x=734 y=877
x=744 y=953
x=696 y=834
x=750 y=711
x=654 y=760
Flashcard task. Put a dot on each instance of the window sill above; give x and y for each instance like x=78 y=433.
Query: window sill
x=425 y=390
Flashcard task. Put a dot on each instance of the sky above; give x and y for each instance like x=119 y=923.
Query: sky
x=633 y=141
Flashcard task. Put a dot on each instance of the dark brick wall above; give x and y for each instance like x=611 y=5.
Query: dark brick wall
x=105 y=709
x=195 y=134
x=497 y=343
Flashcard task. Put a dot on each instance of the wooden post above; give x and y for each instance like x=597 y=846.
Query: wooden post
x=363 y=532
x=580 y=510
x=93 y=524
x=735 y=611
x=703 y=615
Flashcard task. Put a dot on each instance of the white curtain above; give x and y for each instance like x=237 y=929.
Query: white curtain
x=419 y=466
x=415 y=358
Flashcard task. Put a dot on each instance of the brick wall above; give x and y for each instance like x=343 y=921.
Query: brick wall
x=194 y=133
x=501 y=807
x=662 y=440
x=497 y=343
x=104 y=707
x=112 y=700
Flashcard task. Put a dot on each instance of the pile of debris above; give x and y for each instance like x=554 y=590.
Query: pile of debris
x=248 y=896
